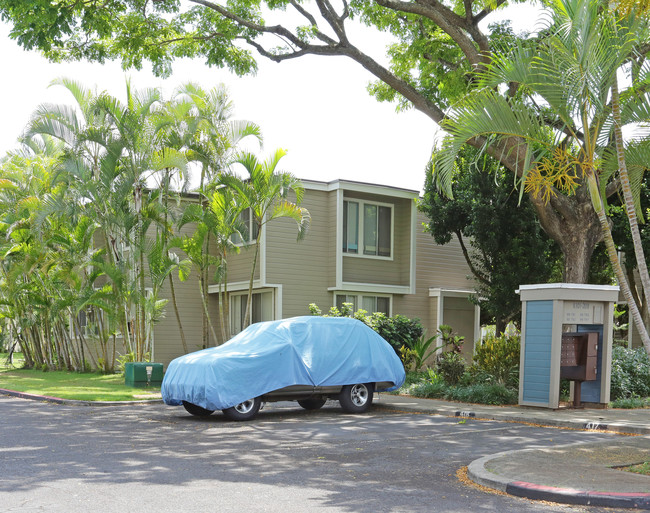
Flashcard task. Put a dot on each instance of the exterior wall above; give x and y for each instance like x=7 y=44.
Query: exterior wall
x=239 y=265
x=332 y=210
x=167 y=339
x=536 y=353
x=437 y=267
x=305 y=272
x=303 y=268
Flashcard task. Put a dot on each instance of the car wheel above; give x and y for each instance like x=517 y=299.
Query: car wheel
x=245 y=410
x=196 y=410
x=312 y=404
x=356 y=398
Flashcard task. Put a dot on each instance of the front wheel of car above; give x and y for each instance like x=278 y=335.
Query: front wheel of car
x=356 y=398
x=245 y=410
x=196 y=410
x=312 y=404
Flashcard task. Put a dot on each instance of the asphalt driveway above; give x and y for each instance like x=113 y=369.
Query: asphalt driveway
x=59 y=458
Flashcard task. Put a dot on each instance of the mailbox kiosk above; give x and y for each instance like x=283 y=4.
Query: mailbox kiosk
x=566 y=332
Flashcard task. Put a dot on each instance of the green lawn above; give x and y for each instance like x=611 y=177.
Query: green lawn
x=71 y=385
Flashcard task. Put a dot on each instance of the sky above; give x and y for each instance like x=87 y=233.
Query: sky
x=317 y=108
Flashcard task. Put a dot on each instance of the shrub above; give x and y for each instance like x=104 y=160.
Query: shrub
x=630 y=373
x=451 y=366
x=398 y=330
x=630 y=403
x=435 y=387
x=483 y=394
x=498 y=359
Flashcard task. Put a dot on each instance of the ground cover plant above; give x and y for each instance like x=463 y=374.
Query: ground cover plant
x=88 y=386
x=642 y=468
x=492 y=378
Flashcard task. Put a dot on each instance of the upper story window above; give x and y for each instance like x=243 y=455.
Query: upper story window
x=249 y=228
x=367 y=228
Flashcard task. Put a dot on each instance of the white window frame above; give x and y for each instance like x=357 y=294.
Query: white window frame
x=236 y=296
x=360 y=229
x=359 y=300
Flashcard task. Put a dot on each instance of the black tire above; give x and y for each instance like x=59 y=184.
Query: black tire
x=356 y=398
x=196 y=410
x=245 y=410
x=312 y=403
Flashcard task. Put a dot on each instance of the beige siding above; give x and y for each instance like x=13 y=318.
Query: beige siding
x=167 y=339
x=303 y=268
x=240 y=264
x=459 y=314
x=332 y=226
x=436 y=267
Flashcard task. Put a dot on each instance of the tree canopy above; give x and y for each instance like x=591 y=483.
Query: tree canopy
x=502 y=242
x=440 y=48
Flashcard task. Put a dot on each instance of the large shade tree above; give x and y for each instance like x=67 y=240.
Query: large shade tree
x=567 y=113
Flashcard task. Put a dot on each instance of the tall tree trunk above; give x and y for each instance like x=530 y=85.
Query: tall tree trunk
x=204 y=300
x=641 y=264
x=634 y=312
x=249 y=300
x=177 y=313
x=573 y=224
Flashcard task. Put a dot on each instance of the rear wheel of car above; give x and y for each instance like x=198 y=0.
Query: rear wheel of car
x=356 y=398
x=196 y=410
x=245 y=410
x=312 y=404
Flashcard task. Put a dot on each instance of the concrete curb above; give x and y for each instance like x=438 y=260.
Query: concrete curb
x=74 y=402
x=477 y=471
x=565 y=423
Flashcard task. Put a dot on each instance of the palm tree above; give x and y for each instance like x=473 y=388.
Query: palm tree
x=265 y=193
x=560 y=112
x=211 y=138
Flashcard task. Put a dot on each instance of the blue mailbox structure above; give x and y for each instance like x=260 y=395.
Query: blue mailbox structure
x=556 y=318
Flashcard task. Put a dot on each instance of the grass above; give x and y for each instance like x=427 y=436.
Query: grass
x=70 y=385
x=642 y=468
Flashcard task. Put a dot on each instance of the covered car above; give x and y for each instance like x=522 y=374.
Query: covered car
x=308 y=359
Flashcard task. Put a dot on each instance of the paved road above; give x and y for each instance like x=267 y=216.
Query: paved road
x=154 y=458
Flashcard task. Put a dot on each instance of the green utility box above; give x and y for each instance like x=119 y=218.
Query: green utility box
x=143 y=374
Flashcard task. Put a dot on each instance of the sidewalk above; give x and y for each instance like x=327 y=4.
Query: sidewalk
x=584 y=474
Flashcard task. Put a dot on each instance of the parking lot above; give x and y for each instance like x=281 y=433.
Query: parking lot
x=60 y=458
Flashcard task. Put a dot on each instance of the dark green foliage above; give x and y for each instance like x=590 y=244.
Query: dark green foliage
x=631 y=403
x=630 y=373
x=483 y=394
x=434 y=387
x=498 y=359
x=451 y=366
x=502 y=240
x=398 y=330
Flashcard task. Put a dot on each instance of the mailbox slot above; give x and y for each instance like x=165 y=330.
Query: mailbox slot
x=579 y=359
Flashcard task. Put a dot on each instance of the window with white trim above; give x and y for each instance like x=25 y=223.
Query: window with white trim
x=367 y=228
x=261 y=309
x=370 y=304
x=249 y=231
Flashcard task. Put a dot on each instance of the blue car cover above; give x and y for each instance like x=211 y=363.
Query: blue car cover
x=267 y=356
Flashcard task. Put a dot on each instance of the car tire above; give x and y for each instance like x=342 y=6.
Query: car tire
x=356 y=398
x=312 y=403
x=246 y=410
x=196 y=410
